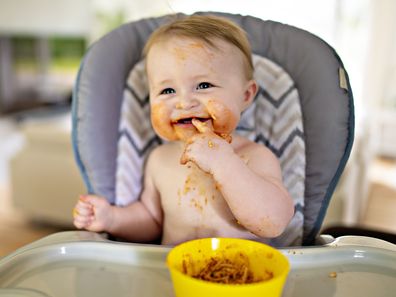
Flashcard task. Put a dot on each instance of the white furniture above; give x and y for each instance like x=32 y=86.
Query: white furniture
x=45 y=181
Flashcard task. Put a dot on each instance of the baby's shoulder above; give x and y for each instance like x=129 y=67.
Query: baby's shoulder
x=164 y=153
x=162 y=161
x=259 y=157
x=164 y=149
x=248 y=147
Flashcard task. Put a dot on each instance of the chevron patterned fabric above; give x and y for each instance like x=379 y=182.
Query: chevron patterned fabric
x=274 y=119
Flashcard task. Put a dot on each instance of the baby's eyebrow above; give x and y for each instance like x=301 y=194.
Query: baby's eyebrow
x=164 y=82
x=201 y=76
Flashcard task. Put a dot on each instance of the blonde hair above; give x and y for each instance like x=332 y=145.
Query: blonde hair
x=206 y=28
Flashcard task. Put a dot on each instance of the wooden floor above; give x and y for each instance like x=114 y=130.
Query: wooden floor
x=16 y=231
x=381 y=209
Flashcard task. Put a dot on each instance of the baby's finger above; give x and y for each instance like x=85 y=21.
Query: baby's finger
x=95 y=201
x=202 y=127
x=82 y=222
x=83 y=209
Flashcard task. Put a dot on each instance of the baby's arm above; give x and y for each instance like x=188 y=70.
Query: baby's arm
x=140 y=221
x=253 y=190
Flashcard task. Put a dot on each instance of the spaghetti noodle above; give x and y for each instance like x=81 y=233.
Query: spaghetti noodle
x=227 y=271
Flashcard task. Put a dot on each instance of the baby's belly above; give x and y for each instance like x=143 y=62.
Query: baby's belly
x=194 y=207
x=192 y=226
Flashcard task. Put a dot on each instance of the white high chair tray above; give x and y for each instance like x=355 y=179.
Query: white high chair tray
x=85 y=264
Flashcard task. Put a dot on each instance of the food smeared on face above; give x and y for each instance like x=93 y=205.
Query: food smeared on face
x=159 y=113
x=187 y=82
x=198 y=48
x=197 y=45
x=183 y=128
x=180 y=53
x=224 y=120
x=177 y=129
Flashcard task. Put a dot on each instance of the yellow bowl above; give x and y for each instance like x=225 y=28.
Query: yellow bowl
x=191 y=257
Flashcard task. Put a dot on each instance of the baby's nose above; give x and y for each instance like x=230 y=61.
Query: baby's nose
x=187 y=103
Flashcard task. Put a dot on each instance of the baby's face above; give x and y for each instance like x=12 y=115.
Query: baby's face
x=189 y=79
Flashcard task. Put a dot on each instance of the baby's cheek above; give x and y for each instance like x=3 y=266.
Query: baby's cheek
x=225 y=120
x=160 y=119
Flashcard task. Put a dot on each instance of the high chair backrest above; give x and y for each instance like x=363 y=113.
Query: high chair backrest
x=303 y=113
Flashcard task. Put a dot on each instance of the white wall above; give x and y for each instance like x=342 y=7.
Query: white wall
x=382 y=59
x=46 y=17
x=379 y=88
x=315 y=16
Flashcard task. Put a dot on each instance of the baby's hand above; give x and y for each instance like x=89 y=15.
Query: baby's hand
x=205 y=147
x=92 y=213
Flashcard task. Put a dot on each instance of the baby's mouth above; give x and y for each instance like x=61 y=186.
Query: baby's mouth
x=187 y=121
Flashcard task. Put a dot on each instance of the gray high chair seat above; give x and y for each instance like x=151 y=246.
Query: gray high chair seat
x=316 y=78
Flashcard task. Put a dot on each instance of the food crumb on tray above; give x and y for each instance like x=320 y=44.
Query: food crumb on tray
x=333 y=274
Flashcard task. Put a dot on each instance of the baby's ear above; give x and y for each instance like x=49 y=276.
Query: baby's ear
x=250 y=93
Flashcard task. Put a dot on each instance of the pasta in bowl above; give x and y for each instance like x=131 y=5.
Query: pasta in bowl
x=227 y=267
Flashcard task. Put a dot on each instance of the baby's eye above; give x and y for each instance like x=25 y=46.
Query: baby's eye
x=167 y=91
x=204 y=85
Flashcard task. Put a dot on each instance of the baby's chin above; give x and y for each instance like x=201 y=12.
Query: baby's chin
x=184 y=134
x=176 y=134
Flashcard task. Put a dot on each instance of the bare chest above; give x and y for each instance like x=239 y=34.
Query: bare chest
x=192 y=195
x=193 y=205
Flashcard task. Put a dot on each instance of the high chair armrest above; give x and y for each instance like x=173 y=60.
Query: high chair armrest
x=64 y=237
x=362 y=241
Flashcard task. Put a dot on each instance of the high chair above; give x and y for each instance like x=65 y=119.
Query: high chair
x=303 y=112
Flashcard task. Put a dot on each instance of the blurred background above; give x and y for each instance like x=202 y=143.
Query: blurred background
x=41 y=46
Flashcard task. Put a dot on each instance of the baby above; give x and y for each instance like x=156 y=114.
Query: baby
x=204 y=181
